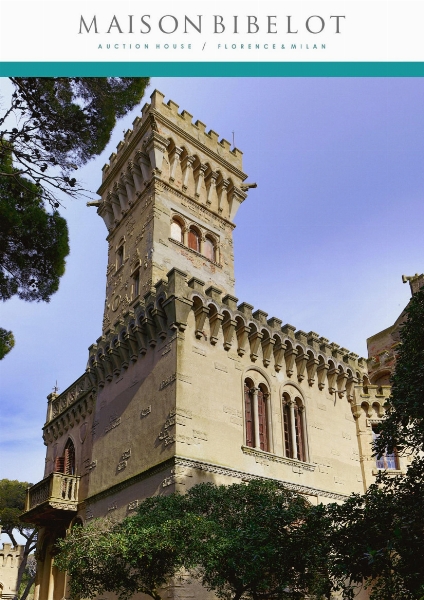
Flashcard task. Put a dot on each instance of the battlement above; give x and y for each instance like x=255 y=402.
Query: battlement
x=168 y=114
x=218 y=319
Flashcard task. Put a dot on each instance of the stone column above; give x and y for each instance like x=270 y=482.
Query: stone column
x=256 y=417
x=293 y=429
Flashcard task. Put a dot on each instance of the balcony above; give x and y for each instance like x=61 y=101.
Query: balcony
x=54 y=498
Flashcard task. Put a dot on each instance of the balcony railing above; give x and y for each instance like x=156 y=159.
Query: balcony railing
x=53 y=497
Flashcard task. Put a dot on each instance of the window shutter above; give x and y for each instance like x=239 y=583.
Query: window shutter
x=59 y=464
x=263 y=437
x=193 y=240
x=69 y=458
x=287 y=436
x=248 y=416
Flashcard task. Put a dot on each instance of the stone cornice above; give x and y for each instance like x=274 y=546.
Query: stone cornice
x=209 y=468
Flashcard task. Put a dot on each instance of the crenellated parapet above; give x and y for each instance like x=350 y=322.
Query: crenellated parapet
x=166 y=145
x=221 y=321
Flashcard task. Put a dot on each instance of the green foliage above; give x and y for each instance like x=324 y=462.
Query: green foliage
x=12 y=503
x=243 y=541
x=378 y=538
x=7 y=341
x=53 y=126
x=33 y=243
x=254 y=541
x=62 y=122
x=404 y=426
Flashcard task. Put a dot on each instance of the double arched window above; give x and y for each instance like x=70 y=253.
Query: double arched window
x=294 y=427
x=257 y=416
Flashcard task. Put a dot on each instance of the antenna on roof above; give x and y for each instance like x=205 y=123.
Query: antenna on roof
x=55 y=388
x=233 y=140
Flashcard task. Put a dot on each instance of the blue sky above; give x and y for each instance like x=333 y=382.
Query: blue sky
x=321 y=243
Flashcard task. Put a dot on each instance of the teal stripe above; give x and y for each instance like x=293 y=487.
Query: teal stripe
x=213 y=69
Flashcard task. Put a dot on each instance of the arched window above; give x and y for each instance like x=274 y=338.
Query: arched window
x=177 y=231
x=294 y=442
x=120 y=254
x=193 y=240
x=66 y=463
x=256 y=416
x=209 y=249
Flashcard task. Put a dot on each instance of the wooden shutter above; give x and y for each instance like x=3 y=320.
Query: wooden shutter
x=248 y=416
x=193 y=240
x=59 y=464
x=69 y=459
x=263 y=437
x=299 y=432
x=287 y=431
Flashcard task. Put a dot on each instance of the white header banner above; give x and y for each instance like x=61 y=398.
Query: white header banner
x=301 y=30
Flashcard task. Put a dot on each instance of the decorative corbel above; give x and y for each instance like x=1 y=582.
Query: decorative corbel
x=135 y=172
x=279 y=350
x=187 y=166
x=116 y=205
x=222 y=188
x=156 y=146
x=301 y=360
x=242 y=338
x=267 y=347
x=228 y=327
x=311 y=367
x=128 y=182
x=174 y=157
x=235 y=198
x=254 y=340
x=106 y=212
x=211 y=187
x=341 y=384
x=215 y=322
x=199 y=177
x=289 y=357
x=200 y=315
x=331 y=378
x=144 y=164
x=121 y=192
x=322 y=371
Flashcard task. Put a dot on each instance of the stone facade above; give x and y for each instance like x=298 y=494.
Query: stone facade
x=186 y=384
x=10 y=560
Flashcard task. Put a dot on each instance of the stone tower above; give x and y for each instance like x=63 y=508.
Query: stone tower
x=185 y=384
x=169 y=197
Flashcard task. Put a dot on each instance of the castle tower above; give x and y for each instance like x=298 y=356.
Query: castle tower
x=169 y=198
x=185 y=384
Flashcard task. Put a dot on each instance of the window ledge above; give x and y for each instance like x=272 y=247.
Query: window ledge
x=391 y=472
x=261 y=455
x=194 y=252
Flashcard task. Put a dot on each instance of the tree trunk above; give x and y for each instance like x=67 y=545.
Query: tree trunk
x=27 y=589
